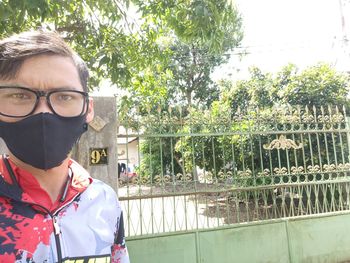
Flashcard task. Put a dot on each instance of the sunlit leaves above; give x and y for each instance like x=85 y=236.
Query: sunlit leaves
x=89 y=26
x=317 y=85
x=213 y=24
x=144 y=53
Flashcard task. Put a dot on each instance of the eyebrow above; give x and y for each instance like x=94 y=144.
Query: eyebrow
x=11 y=85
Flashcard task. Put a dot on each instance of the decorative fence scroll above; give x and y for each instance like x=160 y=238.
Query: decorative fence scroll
x=204 y=170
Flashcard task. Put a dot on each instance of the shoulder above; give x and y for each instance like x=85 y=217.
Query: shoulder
x=83 y=178
x=106 y=192
x=101 y=193
x=97 y=186
x=102 y=200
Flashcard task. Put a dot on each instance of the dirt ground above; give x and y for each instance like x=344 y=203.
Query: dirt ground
x=237 y=206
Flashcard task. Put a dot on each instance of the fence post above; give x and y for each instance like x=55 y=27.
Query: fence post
x=97 y=148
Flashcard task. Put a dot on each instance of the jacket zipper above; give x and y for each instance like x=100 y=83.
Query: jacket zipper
x=57 y=238
x=57 y=229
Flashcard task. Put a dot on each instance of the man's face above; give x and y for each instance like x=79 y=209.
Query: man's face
x=47 y=72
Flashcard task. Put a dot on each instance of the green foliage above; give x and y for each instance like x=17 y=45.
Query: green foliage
x=190 y=48
x=228 y=138
x=319 y=85
x=258 y=91
x=90 y=26
x=237 y=114
x=191 y=83
x=159 y=156
x=132 y=52
x=213 y=24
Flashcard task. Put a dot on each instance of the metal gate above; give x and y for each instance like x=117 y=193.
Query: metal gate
x=204 y=171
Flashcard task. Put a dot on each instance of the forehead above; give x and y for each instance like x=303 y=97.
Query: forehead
x=47 y=72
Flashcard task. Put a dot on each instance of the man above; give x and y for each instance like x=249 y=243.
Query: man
x=51 y=210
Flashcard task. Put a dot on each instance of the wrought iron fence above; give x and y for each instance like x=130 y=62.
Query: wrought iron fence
x=209 y=169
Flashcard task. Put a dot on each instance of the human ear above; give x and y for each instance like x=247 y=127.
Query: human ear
x=90 y=113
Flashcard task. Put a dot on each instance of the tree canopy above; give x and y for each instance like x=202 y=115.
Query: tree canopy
x=138 y=45
x=317 y=85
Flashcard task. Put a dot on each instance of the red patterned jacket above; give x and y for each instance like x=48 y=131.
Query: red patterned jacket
x=84 y=224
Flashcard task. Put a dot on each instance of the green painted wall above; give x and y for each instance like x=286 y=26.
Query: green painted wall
x=164 y=249
x=255 y=243
x=323 y=239
x=320 y=240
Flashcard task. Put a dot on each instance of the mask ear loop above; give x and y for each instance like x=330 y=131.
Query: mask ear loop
x=9 y=169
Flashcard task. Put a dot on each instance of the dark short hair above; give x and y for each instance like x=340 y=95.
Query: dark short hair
x=15 y=49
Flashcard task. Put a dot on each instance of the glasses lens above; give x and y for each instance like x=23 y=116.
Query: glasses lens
x=68 y=103
x=16 y=102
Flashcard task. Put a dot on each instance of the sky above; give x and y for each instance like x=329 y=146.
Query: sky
x=278 y=32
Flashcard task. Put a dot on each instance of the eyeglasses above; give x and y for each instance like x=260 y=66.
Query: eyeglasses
x=20 y=102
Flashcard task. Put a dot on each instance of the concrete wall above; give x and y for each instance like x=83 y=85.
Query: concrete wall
x=310 y=239
x=102 y=133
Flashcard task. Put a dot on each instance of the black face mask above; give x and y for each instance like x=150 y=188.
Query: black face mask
x=43 y=140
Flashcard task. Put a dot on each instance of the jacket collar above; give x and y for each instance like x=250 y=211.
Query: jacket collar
x=30 y=190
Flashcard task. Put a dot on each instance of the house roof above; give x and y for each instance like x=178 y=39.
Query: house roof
x=125 y=136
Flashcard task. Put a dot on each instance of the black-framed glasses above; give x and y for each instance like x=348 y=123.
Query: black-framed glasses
x=19 y=102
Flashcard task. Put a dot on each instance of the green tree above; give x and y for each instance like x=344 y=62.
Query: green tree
x=191 y=84
x=319 y=85
x=197 y=53
x=90 y=26
x=249 y=105
x=257 y=91
x=119 y=47
x=194 y=37
x=314 y=86
x=193 y=55
x=205 y=23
